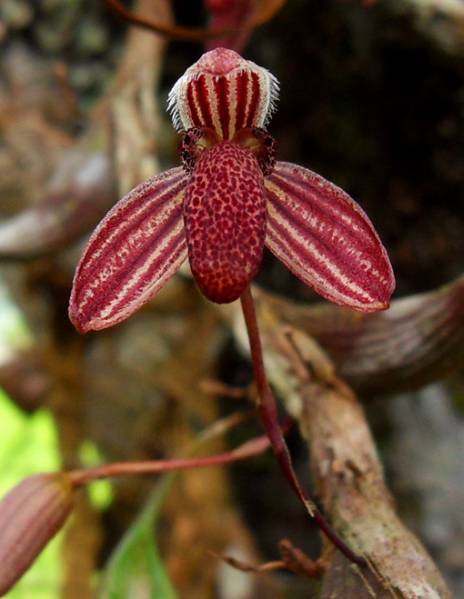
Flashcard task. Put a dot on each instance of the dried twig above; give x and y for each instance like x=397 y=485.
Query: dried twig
x=262 y=13
x=417 y=341
x=346 y=469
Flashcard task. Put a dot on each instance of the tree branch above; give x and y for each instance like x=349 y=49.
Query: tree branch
x=346 y=469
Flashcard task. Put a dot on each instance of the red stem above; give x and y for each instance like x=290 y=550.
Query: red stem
x=249 y=449
x=268 y=411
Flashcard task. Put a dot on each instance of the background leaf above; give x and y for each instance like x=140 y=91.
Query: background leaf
x=135 y=569
x=30 y=444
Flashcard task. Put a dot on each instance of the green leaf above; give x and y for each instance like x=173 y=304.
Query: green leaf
x=135 y=568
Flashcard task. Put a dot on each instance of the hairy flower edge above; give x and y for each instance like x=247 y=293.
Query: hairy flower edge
x=224 y=92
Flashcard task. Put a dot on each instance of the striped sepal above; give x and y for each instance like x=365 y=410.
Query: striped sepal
x=224 y=92
x=225 y=221
x=132 y=253
x=326 y=239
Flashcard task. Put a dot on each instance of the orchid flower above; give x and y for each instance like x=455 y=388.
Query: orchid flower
x=228 y=200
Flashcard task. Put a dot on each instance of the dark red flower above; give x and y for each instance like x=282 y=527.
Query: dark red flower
x=228 y=200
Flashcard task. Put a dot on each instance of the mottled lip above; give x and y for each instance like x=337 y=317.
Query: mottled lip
x=219 y=62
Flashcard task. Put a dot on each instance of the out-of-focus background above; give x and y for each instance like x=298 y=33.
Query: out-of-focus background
x=372 y=97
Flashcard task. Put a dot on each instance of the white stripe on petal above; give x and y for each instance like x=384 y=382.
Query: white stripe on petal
x=326 y=239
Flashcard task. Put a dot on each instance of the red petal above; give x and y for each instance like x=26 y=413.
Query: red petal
x=132 y=253
x=225 y=221
x=326 y=239
x=224 y=92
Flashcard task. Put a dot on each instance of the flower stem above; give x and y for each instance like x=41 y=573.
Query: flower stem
x=251 y=448
x=268 y=411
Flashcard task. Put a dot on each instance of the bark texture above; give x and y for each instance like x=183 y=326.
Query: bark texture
x=346 y=469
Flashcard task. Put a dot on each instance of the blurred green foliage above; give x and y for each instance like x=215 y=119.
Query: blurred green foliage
x=15 y=335
x=136 y=568
x=100 y=492
x=29 y=445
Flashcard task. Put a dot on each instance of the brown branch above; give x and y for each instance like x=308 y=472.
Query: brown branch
x=218 y=388
x=242 y=566
x=292 y=560
x=265 y=11
x=420 y=339
x=117 y=150
x=346 y=469
x=176 y=32
x=267 y=408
